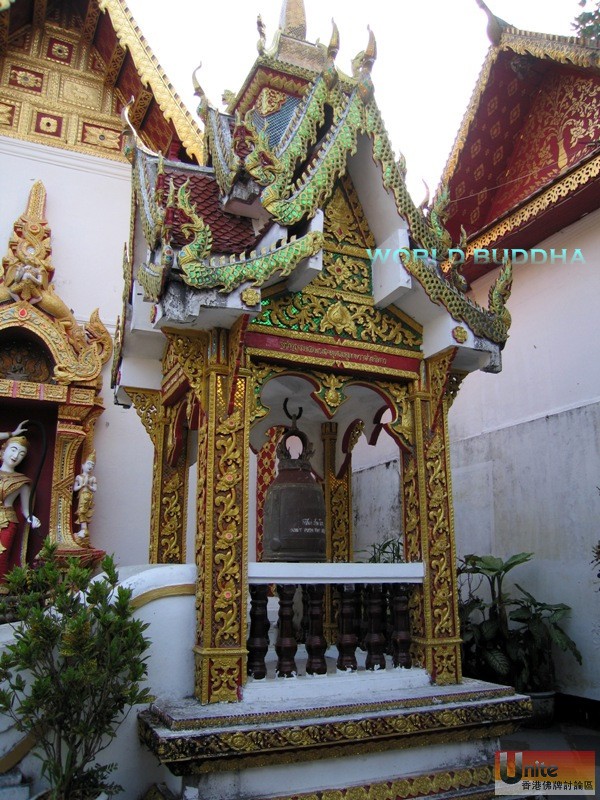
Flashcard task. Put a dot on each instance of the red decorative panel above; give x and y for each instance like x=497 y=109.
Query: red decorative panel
x=563 y=121
x=48 y=124
x=108 y=138
x=503 y=107
x=105 y=39
x=231 y=234
x=95 y=63
x=129 y=83
x=265 y=475
x=60 y=51
x=27 y=79
x=157 y=130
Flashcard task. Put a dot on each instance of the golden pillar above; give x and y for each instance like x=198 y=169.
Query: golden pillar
x=222 y=515
x=429 y=526
x=169 y=478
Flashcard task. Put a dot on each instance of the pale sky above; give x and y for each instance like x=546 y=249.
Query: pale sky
x=429 y=55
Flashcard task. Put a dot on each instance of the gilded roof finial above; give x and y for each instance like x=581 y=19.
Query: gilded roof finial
x=371 y=52
x=260 y=26
x=494 y=26
x=292 y=21
x=204 y=103
x=334 y=43
x=362 y=63
x=132 y=138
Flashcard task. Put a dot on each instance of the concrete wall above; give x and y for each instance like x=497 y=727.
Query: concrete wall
x=526 y=443
x=88 y=210
x=376 y=496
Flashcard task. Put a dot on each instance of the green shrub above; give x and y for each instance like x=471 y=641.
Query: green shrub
x=74 y=670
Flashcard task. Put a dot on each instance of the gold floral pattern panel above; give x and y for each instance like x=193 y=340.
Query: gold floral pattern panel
x=563 y=121
x=52 y=91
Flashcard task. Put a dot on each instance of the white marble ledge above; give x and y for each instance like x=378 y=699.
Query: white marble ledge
x=282 y=572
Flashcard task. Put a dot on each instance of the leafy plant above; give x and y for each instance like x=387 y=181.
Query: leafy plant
x=390 y=551
x=534 y=664
x=496 y=650
x=74 y=669
x=587 y=24
x=487 y=644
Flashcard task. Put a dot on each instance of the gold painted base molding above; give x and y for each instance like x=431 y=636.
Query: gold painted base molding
x=191 y=738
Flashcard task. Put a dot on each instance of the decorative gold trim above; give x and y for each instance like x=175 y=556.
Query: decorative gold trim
x=17 y=753
x=151 y=74
x=337 y=341
x=228 y=744
x=548 y=198
x=326 y=362
x=442 y=784
x=182 y=590
x=178 y=720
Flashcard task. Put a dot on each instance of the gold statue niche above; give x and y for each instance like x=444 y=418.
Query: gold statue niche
x=28 y=271
x=50 y=373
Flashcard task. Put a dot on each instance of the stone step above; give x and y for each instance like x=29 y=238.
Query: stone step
x=12 y=786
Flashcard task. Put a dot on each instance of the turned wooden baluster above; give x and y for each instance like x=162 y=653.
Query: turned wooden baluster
x=401 y=627
x=315 y=641
x=347 y=639
x=286 y=644
x=258 y=638
x=375 y=639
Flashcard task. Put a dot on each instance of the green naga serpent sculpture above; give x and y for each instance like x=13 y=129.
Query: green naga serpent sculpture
x=229 y=272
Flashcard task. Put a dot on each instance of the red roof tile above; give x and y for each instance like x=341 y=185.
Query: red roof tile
x=231 y=234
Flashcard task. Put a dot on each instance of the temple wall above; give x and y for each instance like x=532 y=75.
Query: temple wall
x=88 y=210
x=526 y=443
x=376 y=506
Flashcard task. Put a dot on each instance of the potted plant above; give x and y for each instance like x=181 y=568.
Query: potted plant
x=73 y=670
x=534 y=663
x=484 y=623
x=510 y=640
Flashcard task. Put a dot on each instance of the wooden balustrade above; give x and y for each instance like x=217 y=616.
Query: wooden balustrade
x=372 y=615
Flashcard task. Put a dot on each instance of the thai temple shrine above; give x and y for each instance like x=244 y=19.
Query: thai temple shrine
x=253 y=318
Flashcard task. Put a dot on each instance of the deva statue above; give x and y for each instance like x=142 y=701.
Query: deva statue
x=13 y=485
x=86 y=485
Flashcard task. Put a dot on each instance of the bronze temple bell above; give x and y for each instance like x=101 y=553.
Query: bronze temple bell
x=294 y=515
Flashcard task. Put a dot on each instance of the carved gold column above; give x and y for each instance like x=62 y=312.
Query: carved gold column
x=265 y=475
x=70 y=433
x=169 y=482
x=429 y=527
x=338 y=516
x=338 y=500
x=222 y=514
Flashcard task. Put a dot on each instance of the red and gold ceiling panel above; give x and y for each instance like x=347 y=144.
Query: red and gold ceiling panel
x=128 y=81
x=68 y=55
x=500 y=115
x=560 y=131
x=157 y=131
x=49 y=95
x=105 y=39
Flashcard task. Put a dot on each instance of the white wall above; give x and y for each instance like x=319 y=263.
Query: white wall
x=526 y=443
x=88 y=211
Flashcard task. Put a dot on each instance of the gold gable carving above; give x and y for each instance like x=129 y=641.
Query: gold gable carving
x=46 y=356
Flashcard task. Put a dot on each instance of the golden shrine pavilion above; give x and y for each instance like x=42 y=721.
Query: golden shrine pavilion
x=254 y=278
x=276 y=259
